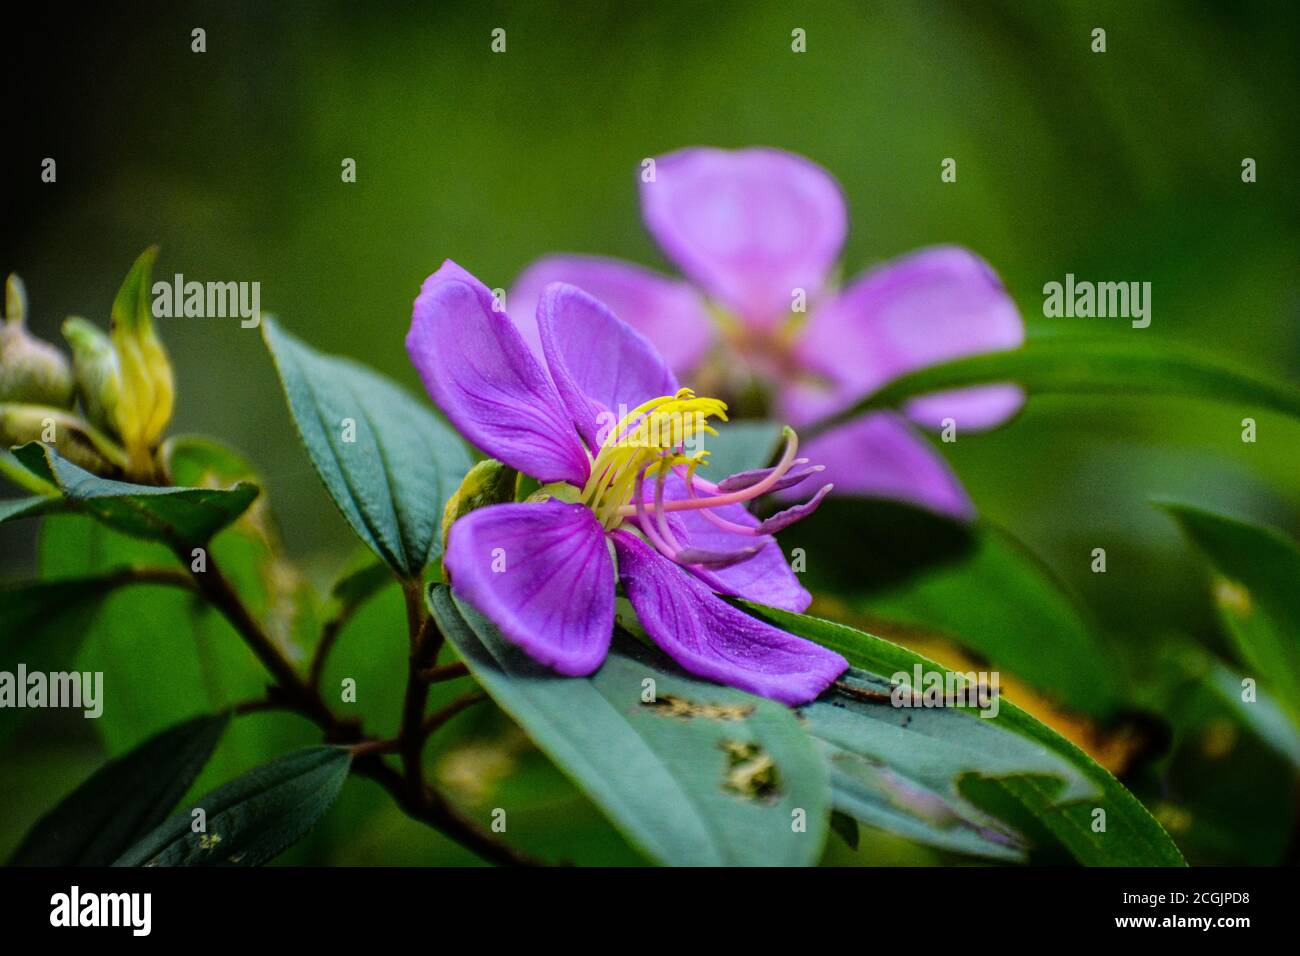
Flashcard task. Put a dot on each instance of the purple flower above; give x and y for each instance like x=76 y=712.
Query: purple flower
x=753 y=229
x=613 y=438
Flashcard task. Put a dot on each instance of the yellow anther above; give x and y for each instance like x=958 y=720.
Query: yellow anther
x=652 y=438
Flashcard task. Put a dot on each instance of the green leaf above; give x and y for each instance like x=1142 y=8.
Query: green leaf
x=1132 y=836
x=42 y=625
x=975 y=585
x=705 y=775
x=122 y=801
x=207 y=668
x=28 y=507
x=253 y=818
x=900 y=768
x=1265 y=717
x=178 y=516
x=1257 y=592
x=740 y=446
x=392 y=482
x=1082 y=365
x=357 y=586
x=1005 y=605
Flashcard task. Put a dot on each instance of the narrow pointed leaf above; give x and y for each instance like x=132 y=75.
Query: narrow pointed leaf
x=1257 y=593
x=122 y=801
x=1083 y=365
x=177 y=516
x=253 y=818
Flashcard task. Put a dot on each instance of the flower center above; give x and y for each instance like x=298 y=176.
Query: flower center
x=651 y=439
x=662 y=437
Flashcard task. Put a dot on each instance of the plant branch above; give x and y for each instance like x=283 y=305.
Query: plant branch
x=426 y=640
x=290 y=687
x=292 y=692
x=433 y=809
x=444 y=672
x=329 y=633
x=444 y=714
x=171 y=577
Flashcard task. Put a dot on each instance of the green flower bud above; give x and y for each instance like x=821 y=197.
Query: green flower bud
x=73 y=438
x=30 y=370
x=97 y=371
x=487 y=483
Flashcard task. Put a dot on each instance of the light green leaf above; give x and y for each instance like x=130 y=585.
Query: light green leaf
x=122 y=801
x=253 y=818
x=1082 y=365
x=178 y=516
x=207 y=668
x=740 y=446
x=29 y=507
x=1257 y=592
x=1132 y=836
x=705 y=775
x=392 y=480
x=899 y=768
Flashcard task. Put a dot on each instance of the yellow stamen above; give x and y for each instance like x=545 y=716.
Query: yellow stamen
x=651 y=438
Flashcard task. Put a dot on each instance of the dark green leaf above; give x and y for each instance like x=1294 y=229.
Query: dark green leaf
x=42 y=625
x=1083 y=365
x=1257 y=592
x=122 y=801
x=1132 y=836
x=702 y=775
x=972 y=584
x=253 y=818
x=846 y=828
x=1002 y=603
x=392 y=482
x=178 y=516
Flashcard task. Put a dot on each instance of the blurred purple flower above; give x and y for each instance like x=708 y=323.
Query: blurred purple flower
x=753 y=229
x=541 y=570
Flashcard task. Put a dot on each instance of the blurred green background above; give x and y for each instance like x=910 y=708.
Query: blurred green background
x=1117 y=166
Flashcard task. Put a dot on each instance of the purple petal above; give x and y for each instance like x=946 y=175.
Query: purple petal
x=880 y=456
x=716 y=559
x=750 y=225
x=668 y=312
x=765 y=578
x=543 y=575
x=747 y=479
x=710 y=638
x=928 y=307
x=483 y=377
x=602 y=367
x=783 y=519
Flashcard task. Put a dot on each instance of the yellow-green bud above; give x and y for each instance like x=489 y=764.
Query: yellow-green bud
x=74 y=440
x=487 y=483
x=147 y=393
x=30 y=370
x=97 y=371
